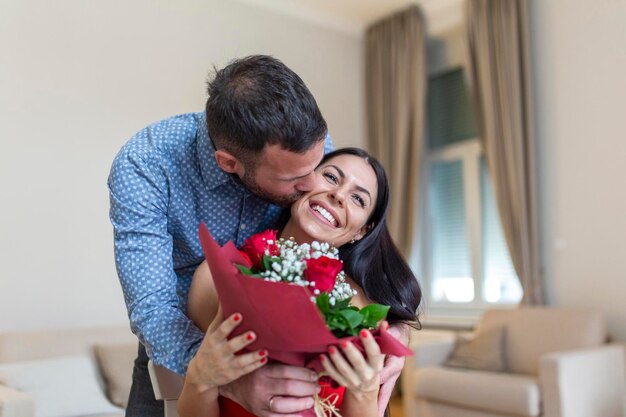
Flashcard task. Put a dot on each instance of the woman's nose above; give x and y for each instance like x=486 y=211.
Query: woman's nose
x=337 y=195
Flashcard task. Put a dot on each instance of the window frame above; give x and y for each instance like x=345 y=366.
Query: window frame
x=448 y=313
x=446 y=51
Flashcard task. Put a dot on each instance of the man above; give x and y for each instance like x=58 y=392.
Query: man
x=234 y=167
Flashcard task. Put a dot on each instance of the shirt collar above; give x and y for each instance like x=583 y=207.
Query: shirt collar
x=212 y=174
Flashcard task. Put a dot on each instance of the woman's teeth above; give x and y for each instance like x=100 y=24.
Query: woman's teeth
x=325 y=214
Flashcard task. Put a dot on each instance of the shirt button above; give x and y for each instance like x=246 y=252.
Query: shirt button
x=243 y=226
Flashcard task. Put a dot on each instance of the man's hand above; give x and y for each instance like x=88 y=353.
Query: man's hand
x=274 y=390
x=392 y=369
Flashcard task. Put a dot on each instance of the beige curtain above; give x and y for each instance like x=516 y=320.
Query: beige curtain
x=499 y=70
x=395 y=75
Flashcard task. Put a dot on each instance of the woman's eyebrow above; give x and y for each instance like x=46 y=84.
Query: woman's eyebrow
x=363 y=190
x=342 y=175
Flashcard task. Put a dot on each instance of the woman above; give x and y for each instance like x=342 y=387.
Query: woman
x=347 y=209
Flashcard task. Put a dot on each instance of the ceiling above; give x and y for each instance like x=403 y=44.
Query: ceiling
x=354 y=16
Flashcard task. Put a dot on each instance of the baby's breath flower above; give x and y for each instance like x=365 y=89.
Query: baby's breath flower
x=290 y=264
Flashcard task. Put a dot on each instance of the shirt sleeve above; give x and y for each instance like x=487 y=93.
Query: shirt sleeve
x=328 y=144
x=139 y=193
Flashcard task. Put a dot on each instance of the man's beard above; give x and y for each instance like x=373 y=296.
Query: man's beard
x=279 y=200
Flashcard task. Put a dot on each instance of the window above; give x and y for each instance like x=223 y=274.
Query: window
x=466 y=263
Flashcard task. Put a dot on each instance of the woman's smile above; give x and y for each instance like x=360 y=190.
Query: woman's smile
x=327 y=215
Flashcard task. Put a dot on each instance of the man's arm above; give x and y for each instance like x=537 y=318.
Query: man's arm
x=328 y=144
x=143 y=257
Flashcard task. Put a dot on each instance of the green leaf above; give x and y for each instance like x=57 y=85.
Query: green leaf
x=344 y=319
x=323 y=303
x=336 y=322
x=246 y=271
x=373 y=314
x=352 y=317
x=267 y=262
x=344 y=304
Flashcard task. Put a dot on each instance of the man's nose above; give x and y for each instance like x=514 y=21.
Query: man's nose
x=306 y=183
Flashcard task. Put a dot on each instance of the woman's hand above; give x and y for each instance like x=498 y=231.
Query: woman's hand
x=216 y=362
x=359 y=374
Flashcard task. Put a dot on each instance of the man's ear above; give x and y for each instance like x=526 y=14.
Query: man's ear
x=229 y=163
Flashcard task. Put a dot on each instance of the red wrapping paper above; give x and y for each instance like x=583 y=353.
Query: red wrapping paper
x=283 y=317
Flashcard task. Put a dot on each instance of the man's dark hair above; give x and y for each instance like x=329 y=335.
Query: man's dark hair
x=257 y=100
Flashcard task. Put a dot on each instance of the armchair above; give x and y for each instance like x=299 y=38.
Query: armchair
x=167 y=386
x=556 y=365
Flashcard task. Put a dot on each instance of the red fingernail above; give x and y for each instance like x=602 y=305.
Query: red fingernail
x=322 y=358
x=263 y=353
x=250 y=336
x=263 y=360
x=364 y=333
x=344 y=344
x=332 y=350
x=237 y=317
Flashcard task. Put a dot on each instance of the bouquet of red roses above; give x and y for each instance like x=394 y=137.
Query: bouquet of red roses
x=315 y=266
x=279 y=307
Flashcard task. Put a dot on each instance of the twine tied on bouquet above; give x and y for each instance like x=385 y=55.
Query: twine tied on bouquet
x=325 y=407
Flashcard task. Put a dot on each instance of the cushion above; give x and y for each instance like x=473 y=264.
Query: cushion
x=483 y=352
x=489 y=391
x=61 y=387
x=116 y=366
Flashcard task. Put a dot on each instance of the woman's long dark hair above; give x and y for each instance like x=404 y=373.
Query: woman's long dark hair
x=374 y=262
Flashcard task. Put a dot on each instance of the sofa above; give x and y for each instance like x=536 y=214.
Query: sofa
x=78 y=372
x=523 y=362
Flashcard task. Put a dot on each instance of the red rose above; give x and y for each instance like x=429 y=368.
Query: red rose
x=256 y=245
x=323 y=272
x=248 y=262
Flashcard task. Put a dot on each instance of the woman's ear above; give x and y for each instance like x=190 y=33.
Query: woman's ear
x=362 y=232
x=229 y=163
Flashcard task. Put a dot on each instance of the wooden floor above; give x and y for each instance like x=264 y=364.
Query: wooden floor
x=395 y=407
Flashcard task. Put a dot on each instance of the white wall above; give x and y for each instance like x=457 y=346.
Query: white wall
x=580 y=65
x=77 y=79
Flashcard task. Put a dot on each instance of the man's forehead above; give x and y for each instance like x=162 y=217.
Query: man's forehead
x=288 y=163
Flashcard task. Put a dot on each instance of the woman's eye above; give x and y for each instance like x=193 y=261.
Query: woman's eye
x=360 y=201
x=330 y=177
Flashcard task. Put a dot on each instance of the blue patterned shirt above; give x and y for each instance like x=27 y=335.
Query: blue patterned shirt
x=163 y=183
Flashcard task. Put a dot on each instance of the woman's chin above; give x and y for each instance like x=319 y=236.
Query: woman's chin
x=326 y=236
x=315 y=232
